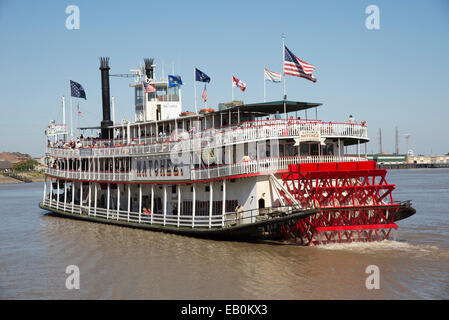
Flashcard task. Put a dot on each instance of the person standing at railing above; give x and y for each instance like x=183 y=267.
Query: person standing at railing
x=245 y=161
x=351 y=119
x=239 y=213
x=277 y=116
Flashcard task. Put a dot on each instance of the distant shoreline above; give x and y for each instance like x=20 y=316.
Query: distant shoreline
x=32 y=176
x=413 y=166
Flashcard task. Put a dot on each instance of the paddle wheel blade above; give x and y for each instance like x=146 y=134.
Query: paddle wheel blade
x=354 y=198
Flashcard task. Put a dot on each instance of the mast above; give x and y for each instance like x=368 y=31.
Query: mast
x=194 y=87
x=63 y=116
x=397 y=141
x=71 y=119
x=380 y=140
x=264 y=87
x=113 y=109
x=283 y=73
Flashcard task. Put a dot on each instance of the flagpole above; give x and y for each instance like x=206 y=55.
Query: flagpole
x=264 y=87
x=232 y=88
x=71 y=119
x=78 y=112
x=63 y=118
x=113 y=109
x=283 y=61
x=194 y=86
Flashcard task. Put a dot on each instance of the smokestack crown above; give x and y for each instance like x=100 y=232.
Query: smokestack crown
x=149 y=67
x=104 y=63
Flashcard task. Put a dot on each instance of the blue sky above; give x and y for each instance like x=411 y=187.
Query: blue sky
x=395 y=76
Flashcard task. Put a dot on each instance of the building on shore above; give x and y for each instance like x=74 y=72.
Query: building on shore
x=420 y=159
x=390 y=161
x=386 y=158
x=5 y=166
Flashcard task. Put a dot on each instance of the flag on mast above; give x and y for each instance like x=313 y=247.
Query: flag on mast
x=201 y=76
x=79 y=111
x=272 y=76
x=174 y=81
x=77 y=90
x=237 y=83
x=294 y=66
x=148 y=87
x=204 y=95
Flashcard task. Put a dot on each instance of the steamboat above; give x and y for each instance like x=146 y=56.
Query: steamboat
x=243 y=171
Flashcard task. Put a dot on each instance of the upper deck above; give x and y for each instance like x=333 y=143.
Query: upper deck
x=140 y=139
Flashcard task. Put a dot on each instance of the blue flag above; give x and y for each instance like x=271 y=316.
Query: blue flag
x=77 y=90
x=174 y=81
x=201 y=76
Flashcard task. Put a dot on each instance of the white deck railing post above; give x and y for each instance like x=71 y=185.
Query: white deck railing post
x=107 y=202
x=129 y=199
x=211 y=202
x=223 y=209
x=179 y=204
x=95 y=199
x=193 y=204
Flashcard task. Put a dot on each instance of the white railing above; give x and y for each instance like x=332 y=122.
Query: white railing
x=233 y=169
x=264 y=165
x=136 y=217
x=89 y=175
x=246 y=131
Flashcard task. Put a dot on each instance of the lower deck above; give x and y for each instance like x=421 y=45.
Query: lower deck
x=194 y=205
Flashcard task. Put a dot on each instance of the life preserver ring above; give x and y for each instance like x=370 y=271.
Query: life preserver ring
x=186 y=113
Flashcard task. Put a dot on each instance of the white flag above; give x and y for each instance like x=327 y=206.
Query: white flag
x=272 y=76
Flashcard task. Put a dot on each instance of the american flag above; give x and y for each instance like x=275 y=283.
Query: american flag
x=148 y=88
x=294 y=66
x=204 y=96
x=79 y=111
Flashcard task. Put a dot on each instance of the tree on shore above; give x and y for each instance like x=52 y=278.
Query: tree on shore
x=26 y=165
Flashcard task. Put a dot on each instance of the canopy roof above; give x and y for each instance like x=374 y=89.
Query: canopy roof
x=257 y=109
x=267 y=108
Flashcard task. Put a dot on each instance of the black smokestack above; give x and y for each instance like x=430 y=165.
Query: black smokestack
x=149 y=67
x=106 y=132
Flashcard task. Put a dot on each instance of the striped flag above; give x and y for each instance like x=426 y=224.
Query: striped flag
x=79 y=111
x=271 y=75
x=204 y=96
x=148 y=88
x=294 y=66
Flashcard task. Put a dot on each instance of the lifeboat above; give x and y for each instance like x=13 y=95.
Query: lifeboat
x=206 y=110
x=186 y=113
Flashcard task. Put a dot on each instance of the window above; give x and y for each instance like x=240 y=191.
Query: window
x=139 y=96
x=163 y=93
x=173 y=93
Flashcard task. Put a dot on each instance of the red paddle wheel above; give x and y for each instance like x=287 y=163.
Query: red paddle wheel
x=354 y=199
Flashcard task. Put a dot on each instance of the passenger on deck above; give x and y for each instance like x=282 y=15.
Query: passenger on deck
x=277 y=116
x=239 y=213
